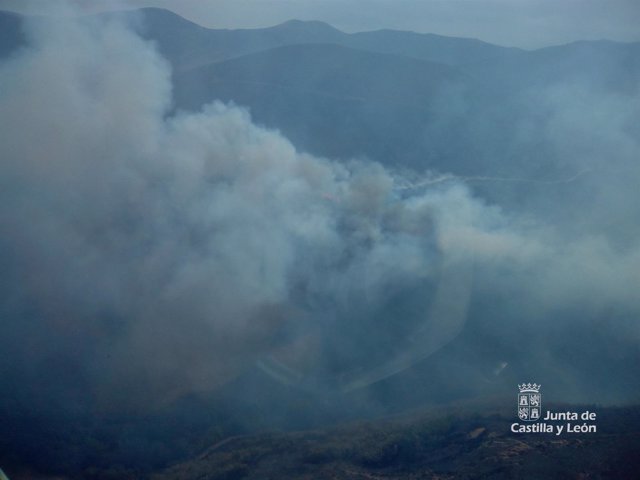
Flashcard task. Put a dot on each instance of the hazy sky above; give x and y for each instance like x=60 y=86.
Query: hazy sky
x=523 y=23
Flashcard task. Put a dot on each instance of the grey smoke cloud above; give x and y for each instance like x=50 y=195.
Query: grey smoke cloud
x=150 y=256
x=164 y=254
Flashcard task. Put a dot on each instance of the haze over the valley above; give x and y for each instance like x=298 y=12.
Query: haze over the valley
x=289 y=226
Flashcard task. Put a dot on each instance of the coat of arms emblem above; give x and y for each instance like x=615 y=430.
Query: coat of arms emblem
x=529 y=402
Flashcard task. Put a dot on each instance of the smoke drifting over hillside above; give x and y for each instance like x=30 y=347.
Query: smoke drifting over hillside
x=147 y=256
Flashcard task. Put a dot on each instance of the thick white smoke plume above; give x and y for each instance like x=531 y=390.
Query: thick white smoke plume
x=155 y=255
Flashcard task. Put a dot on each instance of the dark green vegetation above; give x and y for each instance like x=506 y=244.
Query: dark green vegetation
x=442 y=445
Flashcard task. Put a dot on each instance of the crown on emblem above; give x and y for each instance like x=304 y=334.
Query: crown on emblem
x=529 y=387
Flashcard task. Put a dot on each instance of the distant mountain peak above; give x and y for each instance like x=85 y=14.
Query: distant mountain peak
x=307 y=25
